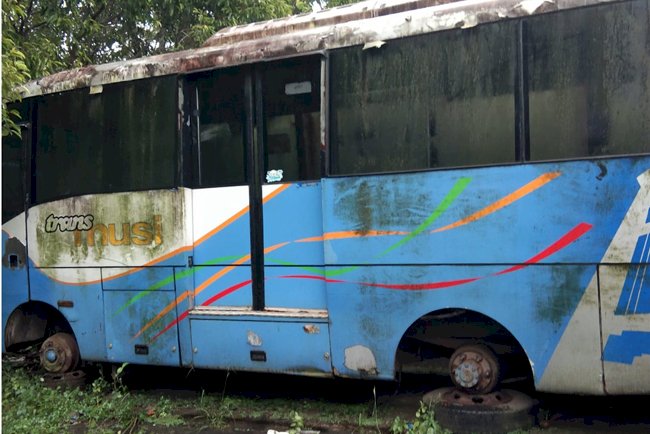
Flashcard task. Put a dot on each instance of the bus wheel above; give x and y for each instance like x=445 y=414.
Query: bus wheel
x=59 y=353
x=497 y=412
x=474 y=369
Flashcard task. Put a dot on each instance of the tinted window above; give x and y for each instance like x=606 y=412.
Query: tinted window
x=291 y=98
x=121 y=139
x=220 y=129
x=589 y=82
x=437 y=100
x=13 y=166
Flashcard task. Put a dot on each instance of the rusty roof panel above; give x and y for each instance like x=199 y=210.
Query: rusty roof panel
x=461 y=14
x=326 y=17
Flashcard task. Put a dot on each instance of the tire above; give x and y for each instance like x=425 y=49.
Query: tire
x=496 y=412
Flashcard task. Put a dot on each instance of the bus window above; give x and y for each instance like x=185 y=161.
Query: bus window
x=122 y=139
x=13 y=166
x=220 y=159
x=292 y=118
x=588 y=80
x=438 y=100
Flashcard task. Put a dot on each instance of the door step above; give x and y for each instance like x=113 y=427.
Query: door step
x=272 y=312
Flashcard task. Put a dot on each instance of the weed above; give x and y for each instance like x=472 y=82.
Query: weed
x=297 y=423
x=424 y=423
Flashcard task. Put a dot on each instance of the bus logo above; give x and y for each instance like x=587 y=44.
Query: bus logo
x=68 y=223
x=89 y=233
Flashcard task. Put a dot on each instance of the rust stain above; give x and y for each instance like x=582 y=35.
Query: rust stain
x=335 y=28
x=327 y=17
x=311 y=329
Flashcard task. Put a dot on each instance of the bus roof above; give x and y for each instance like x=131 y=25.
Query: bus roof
x=368 y=23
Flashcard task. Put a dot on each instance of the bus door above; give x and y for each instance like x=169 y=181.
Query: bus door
x=258 y=251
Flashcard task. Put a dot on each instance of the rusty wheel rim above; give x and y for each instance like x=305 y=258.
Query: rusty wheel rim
x=59 y=353
x=474 y=369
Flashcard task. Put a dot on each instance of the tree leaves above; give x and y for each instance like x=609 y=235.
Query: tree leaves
x=40 y=37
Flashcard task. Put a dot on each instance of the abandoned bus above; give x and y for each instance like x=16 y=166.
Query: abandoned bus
x=417 y=186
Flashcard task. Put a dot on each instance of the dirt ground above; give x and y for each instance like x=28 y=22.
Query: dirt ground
x=555 y=414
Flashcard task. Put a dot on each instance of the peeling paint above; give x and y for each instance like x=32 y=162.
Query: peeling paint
x=253 y=339
x=364 y=23
x=15 y=254
x=532 y=6
x=361 y=359
x=311 y=329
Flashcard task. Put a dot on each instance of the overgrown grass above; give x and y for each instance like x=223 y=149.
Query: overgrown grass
x=108 y=406
x=30 y=407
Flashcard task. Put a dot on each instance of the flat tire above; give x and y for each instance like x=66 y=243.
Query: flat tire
x=491 y=413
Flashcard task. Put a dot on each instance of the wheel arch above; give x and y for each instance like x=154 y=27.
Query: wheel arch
x=33 y=322
x=432 y=338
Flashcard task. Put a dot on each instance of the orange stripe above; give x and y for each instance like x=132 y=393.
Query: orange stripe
x=228 y=269
x=220 y=274
x=224 y=271
x=503 y=202
x=164 y=312
x=204 y=285
x=179 y=250
x=238 y=215
x=275 y=192
x=349 y=234
x=221 y=226
x=276 y=247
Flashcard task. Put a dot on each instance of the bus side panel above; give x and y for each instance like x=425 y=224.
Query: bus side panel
x=293 y=228
x=221 y=236
x=280 y=344
x=120 y=249
x=124 y=340
x=378 y=304
x=15 y=289
x=623 y=287
x=544 y=228
x=83 y=307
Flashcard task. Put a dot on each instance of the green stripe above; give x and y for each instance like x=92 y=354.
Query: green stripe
x=457 y=189
x=170 y=279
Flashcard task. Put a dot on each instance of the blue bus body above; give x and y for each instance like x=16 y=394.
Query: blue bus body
x=553 y=254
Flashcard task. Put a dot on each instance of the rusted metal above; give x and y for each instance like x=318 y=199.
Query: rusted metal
x=363 y=23
x=474 y=369
x=268 y=312
x=59 y=353
x=326 y=17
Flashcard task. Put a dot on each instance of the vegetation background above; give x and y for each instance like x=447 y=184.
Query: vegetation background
x=41 y=37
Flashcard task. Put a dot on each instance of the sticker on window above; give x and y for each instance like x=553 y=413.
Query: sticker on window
x=297 y=88
x=274 y=175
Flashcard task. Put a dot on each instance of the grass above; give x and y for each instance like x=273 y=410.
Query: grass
x=28 y=406
x=108 y=406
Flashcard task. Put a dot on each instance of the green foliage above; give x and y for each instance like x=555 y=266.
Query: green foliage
x=297 y=423
x=323 y=4
x=60 y=34
x=14 y=68
x=41 y=37
x=108 y=406
x=424 y=423
x=29 y=407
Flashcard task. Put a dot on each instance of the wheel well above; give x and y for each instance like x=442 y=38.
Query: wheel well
x=32 y=323
x=429 y=342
